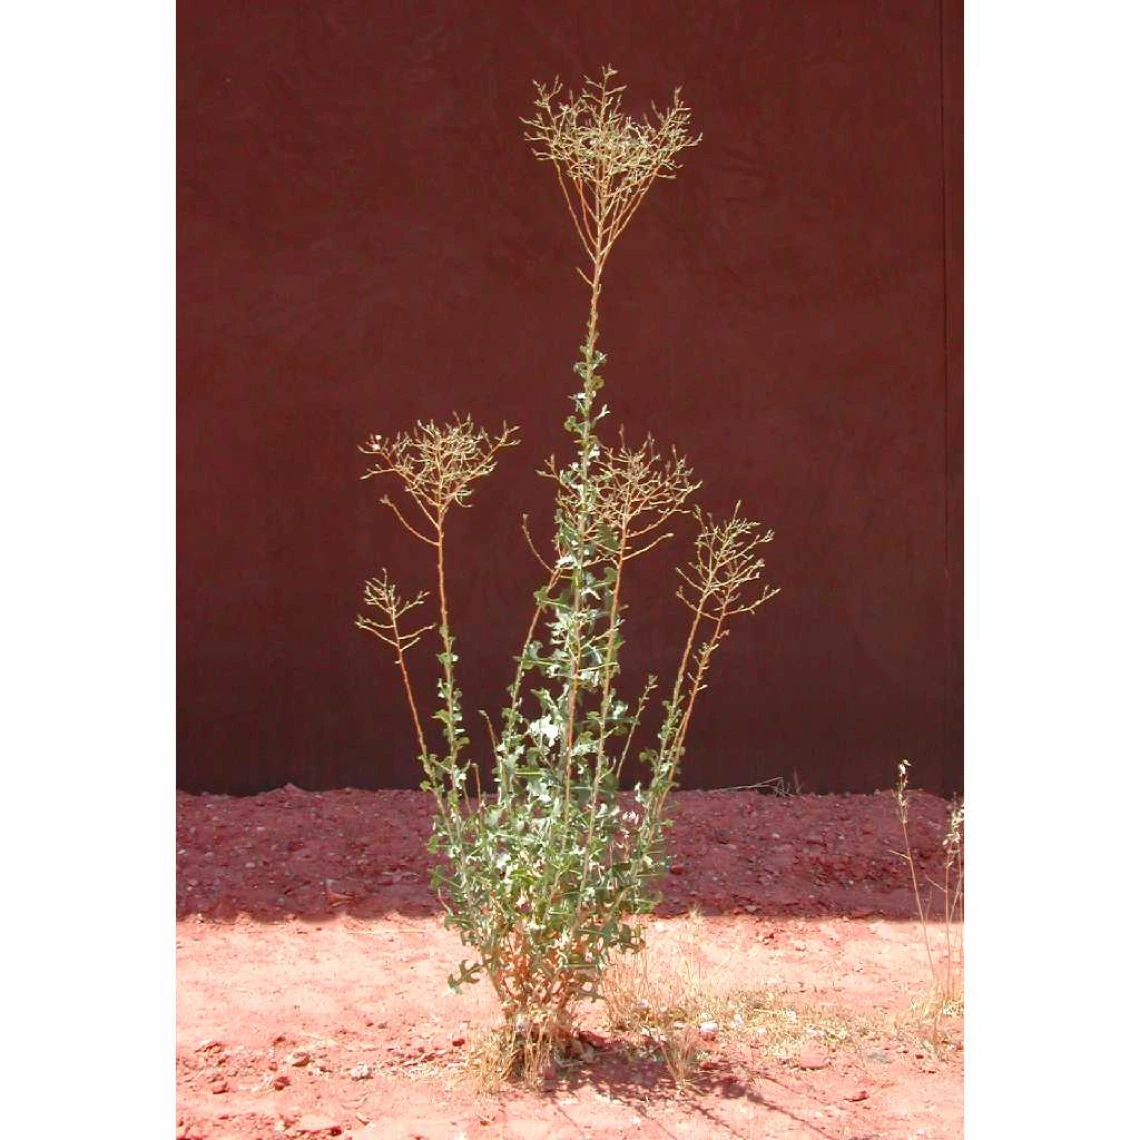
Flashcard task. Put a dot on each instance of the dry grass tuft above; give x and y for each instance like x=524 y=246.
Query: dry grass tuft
x=784 y=1028
x=924 y=1024
x=663 y=994
x=505 y=1056
x=666 y=994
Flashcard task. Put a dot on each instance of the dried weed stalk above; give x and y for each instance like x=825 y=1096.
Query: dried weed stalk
x=946 y=995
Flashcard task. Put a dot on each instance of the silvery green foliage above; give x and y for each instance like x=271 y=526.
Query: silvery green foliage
x=543 y=877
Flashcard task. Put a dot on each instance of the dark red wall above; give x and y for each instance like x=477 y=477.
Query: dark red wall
x=365 y=239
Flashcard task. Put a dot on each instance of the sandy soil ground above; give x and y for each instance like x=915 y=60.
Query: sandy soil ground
x=312 y=967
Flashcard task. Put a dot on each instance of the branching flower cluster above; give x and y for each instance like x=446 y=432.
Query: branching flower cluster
x=382 y=595
x=438 y=466
x=639 y=491
x=541 y=878
x=605 y=160
x=726 y=567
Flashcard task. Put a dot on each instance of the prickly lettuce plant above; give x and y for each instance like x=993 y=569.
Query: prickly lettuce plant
x=541 y=876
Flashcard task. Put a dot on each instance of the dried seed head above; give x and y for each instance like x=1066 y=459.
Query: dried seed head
x=382 y=594
x=437 y=464
x=639 y=489
x=605 y=159
x=726 y=566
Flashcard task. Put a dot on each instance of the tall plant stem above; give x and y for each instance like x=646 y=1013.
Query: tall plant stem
x=698 y=680
x=609 y=664
x=448 y=662
x=671 y=727
x=445 y=638
x=918 y=900
x=582 y=523
x=674 y=731
x=506 y=773
x=603 y=720
x=401 y=663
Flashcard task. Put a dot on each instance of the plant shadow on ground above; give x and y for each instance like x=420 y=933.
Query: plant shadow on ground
x=309 y=856
x=645 y=1084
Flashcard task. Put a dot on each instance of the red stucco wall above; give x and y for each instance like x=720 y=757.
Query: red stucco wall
x=365 y=239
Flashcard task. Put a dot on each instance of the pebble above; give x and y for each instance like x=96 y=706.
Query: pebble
x=219 y=1086
x=298 y=1059
x=360 y=1073
x=310 y=1124
x=857 y=1095
x=280 y=1082
x=812 y=1060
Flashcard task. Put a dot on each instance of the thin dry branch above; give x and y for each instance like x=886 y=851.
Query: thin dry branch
x=534 y=549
